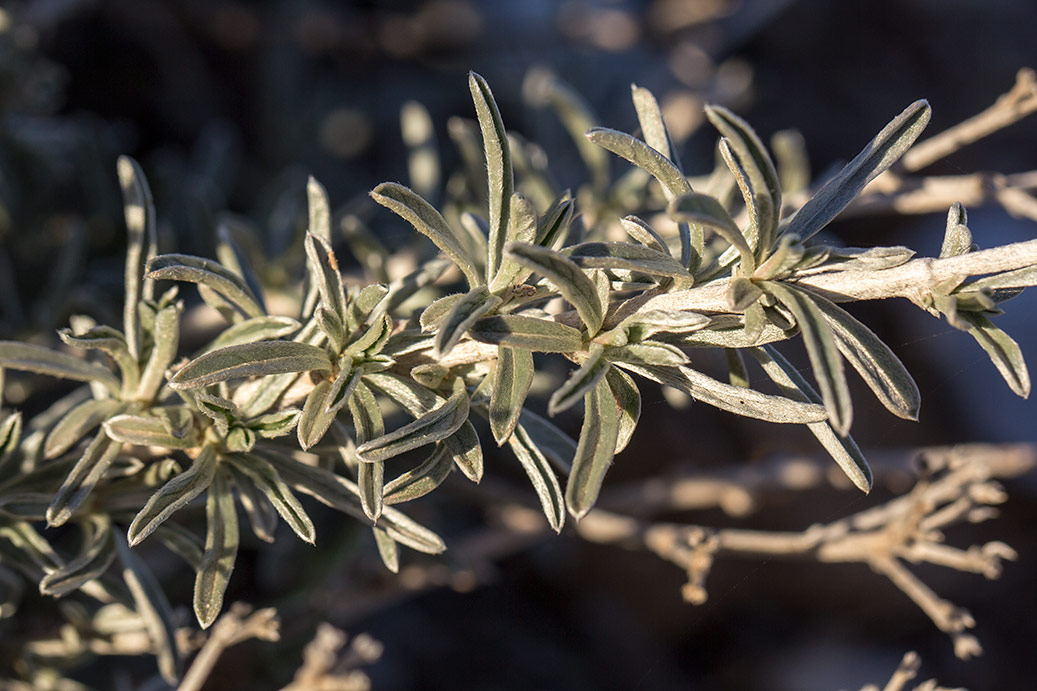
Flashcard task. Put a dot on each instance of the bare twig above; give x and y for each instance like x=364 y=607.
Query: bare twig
x=237 y=625
x=906 y=671
x=327 y=667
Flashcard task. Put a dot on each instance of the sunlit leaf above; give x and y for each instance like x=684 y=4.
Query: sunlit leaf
x=477 y=303
x=437 y=424
x=625 y=255
x=77 y=423
x=206 y=272
x=250 y=359
x=574 y=285
x=582 y=380
x=501 y=182
x=422 y=479
x=84 y=476
x=221 y=551
x=594 y=451
x=174 y=495
x=139 y=211
x=34 y=358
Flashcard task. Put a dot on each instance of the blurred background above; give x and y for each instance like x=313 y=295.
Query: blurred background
x=230 y=105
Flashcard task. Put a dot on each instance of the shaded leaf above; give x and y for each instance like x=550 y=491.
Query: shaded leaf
x=625 y=255
x=94 y=558
x=462 y=315
x=250 y=359
x=84 y=476
x=174 y=495
x=262 y=515
x=574 y=285
x=34 y=358
x=512 y=376
x=439 y=423
x=265 y=477
x=528 y=333
x=78 y=422
x=707 y=211
x=255 y=329
x=500 y=177
x=148 y=431
x=628 y=398
x=543 y=479
x=647 y=353
x=323 y=268
x=421 y=479
x=166 y=340
x=1003 y=351
x=594 y=451
x=580 y=381
x=957 y=238
x=221 y=551
x=182 y=542
x=522 y=227
x=139 y=212
x=387 y=550
x=882 y=152
x=368 y=423
x=644 y=233
x=278 y=424
x=208 y=273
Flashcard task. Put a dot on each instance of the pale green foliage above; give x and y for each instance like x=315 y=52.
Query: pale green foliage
x=336 y=375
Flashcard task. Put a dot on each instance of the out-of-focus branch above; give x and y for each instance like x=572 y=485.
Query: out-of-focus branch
x=906 y=671
x=327 y=667
x=237 y=625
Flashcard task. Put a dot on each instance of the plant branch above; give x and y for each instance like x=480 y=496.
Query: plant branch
x=237 y=625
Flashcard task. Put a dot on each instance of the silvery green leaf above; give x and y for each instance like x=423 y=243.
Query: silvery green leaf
x=429 y=222
x=152 y=606
x=139 y=211
x=594 y=451
x=11 y=433
x=822 y=350
x=34 y=358
x=25 y=506
x=737 y=374
x=323 y=268
x=706 y=211
x=78 y=422
x=183 y=543
x=843 y=449
x=477 y=230
x=111 y=342
x=754 y=160
x=792 y=161
x=431 y=374
x=512 y=376
x=1001 y=286
x=148 y=431
x=643 y=325
x=432 y=315
x=1003 y=351
x=87 y=471
x=262 y=515
x=957 y=239
x=368 y=423
x=223 y=412
x=166 y=340
x=264 y=476
x=330 y=323
x=316 y=417
x=643 y=156
x=419 y=481
x=871 y=258
x=372 y=339
x=501 y=181
x=387 y=549
x=741 y=292
x=464 y=446
x=882 y=152
x=240 y=439
x=250 y=359
x=477 y=303
x=644 y=233
x=34 y=551
x=522 y=227
x=529 y=333
x=543 y=479
x=215 y=276
x=277 y=424
x=580 y=381
x=628 y=398
x=362 y=305
x=653 y=128
x=647 y=353
x=733 y=399
x=319 y=212
x=94 y=558
x=230 y=254
x=405 y=287
x=626 y=255
x=221 y=551
x=412 y=396
x=553 y=226
x=787 y=254
x=255 y=329
x=174 y=495
x=574 y=285
x=341 y=494
x=437 y=424
x=881 y=370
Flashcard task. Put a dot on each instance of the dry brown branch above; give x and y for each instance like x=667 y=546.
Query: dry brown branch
x=237 y=625
x=326 y=667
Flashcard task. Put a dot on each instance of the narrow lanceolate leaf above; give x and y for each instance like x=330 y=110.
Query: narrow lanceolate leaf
x=262 y=515
x=323 y=268
x=580 y=381
x=387 y=549
x=368 y=423
x=644 y=233
x=466 y=451
x=78 y=422
x=574 y=285
x=708 y=212
x=93 y=560
x=522 y=227
x=166 y=336
x=84 y=476
x=432 y=315
x=462 y=315
x=183 y=543
x=11 y=433
x=741 y=293
x=277 y=424
x=512 y=376
x=752 y=156
x=881 y=370
x=252 y=330
x=221 y=550
x=882 y=152
x=733 y=399
x=528 y=333
x=957 y=238
x=341 y=494
x=316 y=418
x=213 y=275
x=265 y=477
x=650 y=117
x=626 y=255
x=149 y=431
x=139 y=210
x=435 y=425
x=643 y=325
x=34 y=358
x=541 y=476
x=420 y=480
x=426 y=220
x=174 y=495
x=152 y=606
x=1003 y=351
x=501 y=180
x=822 y=350
x=553 y=226
x=110 y=341
x=647 y=353
x=643 y=156
x=843 y=449
x=248 y=360
x=595 y=450
x=628 y=398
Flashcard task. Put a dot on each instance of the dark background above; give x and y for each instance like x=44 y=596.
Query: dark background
x=231 y=103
